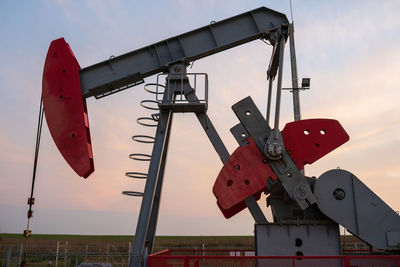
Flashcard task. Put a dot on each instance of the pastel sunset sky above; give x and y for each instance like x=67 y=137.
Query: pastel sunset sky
x=349 y=49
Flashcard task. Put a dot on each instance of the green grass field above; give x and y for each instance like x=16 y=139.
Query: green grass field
x=75 y=241
x=160 y=241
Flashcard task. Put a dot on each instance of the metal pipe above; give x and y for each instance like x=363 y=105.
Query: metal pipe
x=279 y=86
x=269 y=99
x=295 y=80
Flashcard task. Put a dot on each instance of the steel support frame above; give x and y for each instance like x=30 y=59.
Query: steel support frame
x=148 y=217
x=157 y=196
x=147 y=222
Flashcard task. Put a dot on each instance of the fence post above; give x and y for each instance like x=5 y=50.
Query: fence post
x=86 y=252
x=65 y=253
x=108 y=251
x=129 y=253
x=57 y=250
x=8 y=256
x=20 y=253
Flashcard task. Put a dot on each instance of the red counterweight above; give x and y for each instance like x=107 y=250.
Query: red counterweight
x=245 y=173
x=309 y=140
x=65 y=109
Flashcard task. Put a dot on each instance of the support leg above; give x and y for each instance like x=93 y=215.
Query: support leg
x=157 y=196
x=207 y=125
x=213 y=136
x=159 y=149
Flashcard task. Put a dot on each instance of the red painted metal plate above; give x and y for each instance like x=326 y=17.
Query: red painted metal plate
x=244 y=174
x=305 y=140
x=65 y=109
x=309 y=140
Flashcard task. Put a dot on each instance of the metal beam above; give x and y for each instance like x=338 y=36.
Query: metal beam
x=128 y=69
x=151 y=231
x=144 y=223
x=295 y=80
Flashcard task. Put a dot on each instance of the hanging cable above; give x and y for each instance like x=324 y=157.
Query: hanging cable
x=31 y=199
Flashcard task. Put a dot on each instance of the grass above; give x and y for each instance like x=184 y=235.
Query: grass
x=110 y=238
x=160 y=241
x=123 y=240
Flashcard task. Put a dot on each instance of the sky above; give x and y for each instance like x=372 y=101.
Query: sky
x=349 y=49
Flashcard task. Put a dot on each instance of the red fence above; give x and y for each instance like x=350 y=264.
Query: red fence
x=241 y=258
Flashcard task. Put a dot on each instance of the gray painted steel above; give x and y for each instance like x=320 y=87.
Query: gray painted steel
x=298 y=238
x=206 y=123
x=240 y=134
x=285 y=209
x=130 y=68
x=156 y=168
x=295 y=79
x=358 y=209
x=150 y=188
x=255 y=210
x=270 y=84
x=151 y=231
x=393 y=239
x=279 y=84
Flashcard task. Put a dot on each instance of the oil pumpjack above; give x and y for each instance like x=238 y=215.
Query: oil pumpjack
x=307 y=211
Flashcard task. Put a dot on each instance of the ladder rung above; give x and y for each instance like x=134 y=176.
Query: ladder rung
x=132 y=193
x=137 y=175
